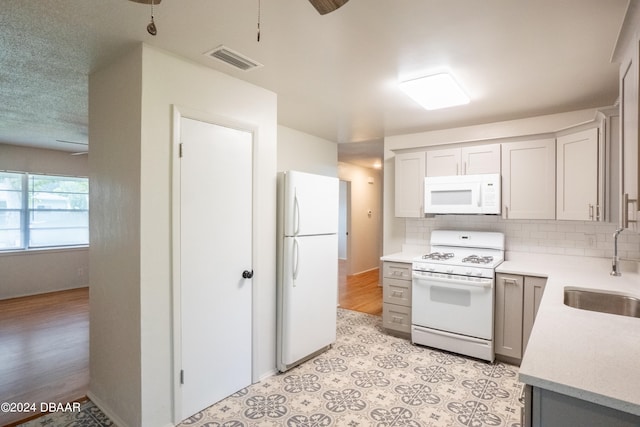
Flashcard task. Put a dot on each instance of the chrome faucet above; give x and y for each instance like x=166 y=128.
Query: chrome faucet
x=614 y=265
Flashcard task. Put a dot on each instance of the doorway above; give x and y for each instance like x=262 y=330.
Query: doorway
x=359 y=292
x=213 y=242
x=343 y=224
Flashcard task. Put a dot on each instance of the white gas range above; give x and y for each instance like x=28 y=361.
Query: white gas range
x=453 y=292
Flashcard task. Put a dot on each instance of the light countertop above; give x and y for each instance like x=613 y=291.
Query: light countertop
x=404 y=256
x=588 y=355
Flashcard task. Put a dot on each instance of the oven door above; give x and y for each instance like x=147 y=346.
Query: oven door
x=458 y=304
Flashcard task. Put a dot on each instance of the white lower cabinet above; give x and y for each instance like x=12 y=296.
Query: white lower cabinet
x=532 y=294
x=516 y=303
x=396 y=303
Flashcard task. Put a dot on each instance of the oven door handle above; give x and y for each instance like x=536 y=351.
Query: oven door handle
x=484 y=283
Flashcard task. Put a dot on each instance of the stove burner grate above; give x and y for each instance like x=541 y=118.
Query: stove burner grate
x=439 y=256
x=477 y=259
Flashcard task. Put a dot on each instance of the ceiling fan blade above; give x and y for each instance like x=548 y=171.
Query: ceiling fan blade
x=155 y=2
x=325 y=6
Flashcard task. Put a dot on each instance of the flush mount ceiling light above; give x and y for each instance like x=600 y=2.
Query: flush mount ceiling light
x=435 y=91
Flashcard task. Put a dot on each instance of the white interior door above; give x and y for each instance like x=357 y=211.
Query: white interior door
x=215 y=249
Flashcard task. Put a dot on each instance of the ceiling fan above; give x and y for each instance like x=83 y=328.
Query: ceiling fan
x=325 y=6
x=322 y=6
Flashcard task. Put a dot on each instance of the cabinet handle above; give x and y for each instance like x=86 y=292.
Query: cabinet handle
x=397 y=319
x=506 y=212
x=509 y=281
x=590 y=211
x=625 y=210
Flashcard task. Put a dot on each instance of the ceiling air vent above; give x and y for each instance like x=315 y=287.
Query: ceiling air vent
x=233 y=58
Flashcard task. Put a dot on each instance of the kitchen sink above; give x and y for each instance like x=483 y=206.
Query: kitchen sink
x=602 y=301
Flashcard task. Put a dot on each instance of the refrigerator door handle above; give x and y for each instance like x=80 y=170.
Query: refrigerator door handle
x=295 y=264
x=296 y=213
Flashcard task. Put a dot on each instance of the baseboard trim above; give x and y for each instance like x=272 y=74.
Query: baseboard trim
x=268 y=374
x=365 y=271
x=106 y=410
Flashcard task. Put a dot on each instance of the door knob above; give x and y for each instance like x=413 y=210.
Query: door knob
x=247 y=274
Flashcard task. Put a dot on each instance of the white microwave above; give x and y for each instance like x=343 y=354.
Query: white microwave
x=462 y=194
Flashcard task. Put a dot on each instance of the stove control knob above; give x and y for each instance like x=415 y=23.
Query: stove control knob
x=449 y=270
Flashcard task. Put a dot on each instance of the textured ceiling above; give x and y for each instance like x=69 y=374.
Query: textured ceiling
x=335 y=75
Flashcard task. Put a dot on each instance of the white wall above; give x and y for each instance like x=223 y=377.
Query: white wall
x=39 y=271
x=163 y=80
x=306 y=153
x=366 y=230
x=114 y=253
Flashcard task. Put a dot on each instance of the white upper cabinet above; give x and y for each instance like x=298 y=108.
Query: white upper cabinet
x=443 y=162
x=481 y=159
x=464 y=161
x=529 y=179
x=627 y=54
x=578 y=176
x=629 y=147
x=409 y=185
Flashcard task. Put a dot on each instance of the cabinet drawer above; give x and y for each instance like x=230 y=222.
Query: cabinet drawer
x=396 y=291
x=397 y=270
x=396 y=317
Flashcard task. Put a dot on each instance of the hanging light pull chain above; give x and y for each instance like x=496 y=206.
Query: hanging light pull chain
x=258 y=21
x=151 y=28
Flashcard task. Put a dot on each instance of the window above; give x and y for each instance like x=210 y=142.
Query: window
x=43 y=211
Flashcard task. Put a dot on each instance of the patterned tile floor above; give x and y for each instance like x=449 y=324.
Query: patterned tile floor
x=88 y=416
x=369 y=378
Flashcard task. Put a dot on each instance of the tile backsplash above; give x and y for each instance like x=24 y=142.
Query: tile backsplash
x=585 y=238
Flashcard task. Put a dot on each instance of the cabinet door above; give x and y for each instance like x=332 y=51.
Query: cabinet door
x=533 y=290
x=480 y=159
x=409 y=184
x=529 y=179
x=508 y=315
x=443 y=162
x=629 y=137
x=577 y=178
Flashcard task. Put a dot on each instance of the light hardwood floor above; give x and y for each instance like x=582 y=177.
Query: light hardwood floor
x=360 y=292
x=44 y=349
x=44 y=341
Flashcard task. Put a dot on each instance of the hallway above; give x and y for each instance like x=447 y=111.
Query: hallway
x=360 y=292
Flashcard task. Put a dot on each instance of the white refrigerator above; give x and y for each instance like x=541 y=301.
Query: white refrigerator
x=307 y=266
